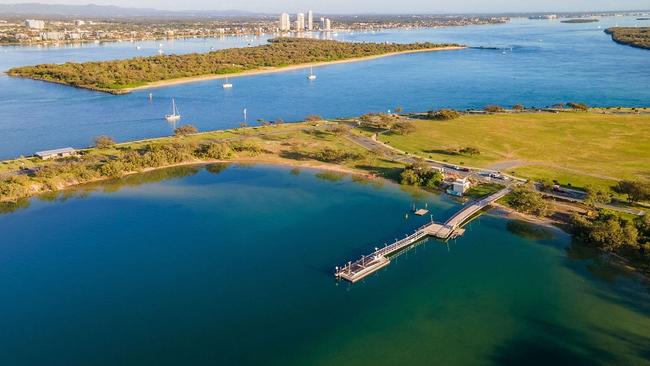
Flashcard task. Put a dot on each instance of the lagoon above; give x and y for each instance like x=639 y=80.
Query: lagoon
x=538 y=63
x=232 y=265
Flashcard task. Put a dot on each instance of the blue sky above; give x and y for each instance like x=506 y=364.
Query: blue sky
x=365 y=6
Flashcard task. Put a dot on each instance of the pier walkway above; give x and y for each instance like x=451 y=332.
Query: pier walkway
x=354 y=271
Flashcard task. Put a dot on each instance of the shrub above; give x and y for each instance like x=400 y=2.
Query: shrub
x=247 y=145
x=403 y=128
x=443 y=114
x=112 y=169
x=185 y=130
x=339 y=130
x=14 y=187
x=518 y=107
x=469 y=151
x=577 y=106
x=332 y=155
x=219 y=151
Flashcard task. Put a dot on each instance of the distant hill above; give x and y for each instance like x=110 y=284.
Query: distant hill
x=109 y=11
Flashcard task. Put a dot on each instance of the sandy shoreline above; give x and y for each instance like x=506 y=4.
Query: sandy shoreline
x=271 y=70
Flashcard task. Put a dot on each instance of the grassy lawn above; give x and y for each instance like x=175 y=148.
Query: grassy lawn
x=562 y=177
x=483 y=190
x=576 y=148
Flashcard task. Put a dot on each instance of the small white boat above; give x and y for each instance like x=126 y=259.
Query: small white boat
x=175 y=116
x=311 y=76
x=227 y=84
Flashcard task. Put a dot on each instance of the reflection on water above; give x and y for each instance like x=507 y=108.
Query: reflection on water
x=112 y=185
x=529 y=230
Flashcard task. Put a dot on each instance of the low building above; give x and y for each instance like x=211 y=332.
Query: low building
x=52 y=36
x=56 y=153
x=459 y=187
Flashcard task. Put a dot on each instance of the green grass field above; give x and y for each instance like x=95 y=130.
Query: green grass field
x=579 y=149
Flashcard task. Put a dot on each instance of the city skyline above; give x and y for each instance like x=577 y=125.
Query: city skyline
x=366 y=6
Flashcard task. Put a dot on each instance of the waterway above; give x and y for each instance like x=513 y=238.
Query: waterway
x=537 y=63
x=233 y=265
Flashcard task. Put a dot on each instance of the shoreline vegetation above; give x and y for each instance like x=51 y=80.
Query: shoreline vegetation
x=280 y=54
x=316 y=143
x=638 y=37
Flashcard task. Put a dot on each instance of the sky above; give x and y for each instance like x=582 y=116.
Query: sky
x=367 y=6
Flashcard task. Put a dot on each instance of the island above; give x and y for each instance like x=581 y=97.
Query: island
x=631 y=36
x=123 y=76
x=579 y=21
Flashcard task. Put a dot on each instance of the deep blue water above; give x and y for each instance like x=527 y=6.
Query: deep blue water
x=194 y=266
x=549 y=62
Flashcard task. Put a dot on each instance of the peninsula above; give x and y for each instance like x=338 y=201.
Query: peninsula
x=590 y=175
x=123 y=76
x=631 y=36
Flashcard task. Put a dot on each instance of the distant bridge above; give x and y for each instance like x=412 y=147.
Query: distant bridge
x=354 y=271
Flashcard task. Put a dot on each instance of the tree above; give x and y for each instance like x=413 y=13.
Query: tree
x=398 y=110
x=606 y=231
x=103 y=142
x=313 y=118
x=524 y=198
x=635 y=190
x=443 y=114
x=518 y=107
x=185 y=130
x=493 y=108
x=421 y=174
x=597 y=195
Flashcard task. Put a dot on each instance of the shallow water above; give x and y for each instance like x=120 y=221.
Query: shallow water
x=233 y=266
x=540 y=63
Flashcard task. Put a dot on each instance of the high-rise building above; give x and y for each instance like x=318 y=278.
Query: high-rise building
x=328 y=25
x=310 y=20
x=34 y=24
x=285 y=22
x=300 y=22
x=322 y=23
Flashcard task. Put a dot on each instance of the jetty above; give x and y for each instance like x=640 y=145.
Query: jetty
x=354 y=271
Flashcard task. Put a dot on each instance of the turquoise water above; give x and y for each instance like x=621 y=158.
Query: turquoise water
x=540 y=63
x=233 y=266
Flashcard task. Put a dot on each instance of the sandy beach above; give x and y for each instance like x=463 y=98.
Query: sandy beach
x=270 y=70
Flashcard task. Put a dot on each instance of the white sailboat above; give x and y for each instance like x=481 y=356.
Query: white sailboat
x=227 y=84
x=311 y=76
x=175 y=116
